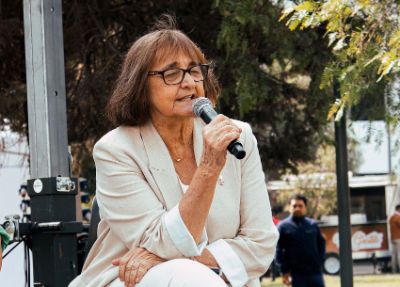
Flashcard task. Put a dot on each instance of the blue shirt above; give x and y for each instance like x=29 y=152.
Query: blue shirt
x=301 y=247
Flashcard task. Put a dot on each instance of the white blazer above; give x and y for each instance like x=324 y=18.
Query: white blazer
x=138 y=188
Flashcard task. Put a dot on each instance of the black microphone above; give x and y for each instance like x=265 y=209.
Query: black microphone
x=202 y=108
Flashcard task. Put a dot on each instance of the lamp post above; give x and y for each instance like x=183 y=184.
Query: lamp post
x=343 y=198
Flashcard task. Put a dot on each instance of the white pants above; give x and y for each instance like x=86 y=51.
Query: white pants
x=396 y=255
x=178 y=273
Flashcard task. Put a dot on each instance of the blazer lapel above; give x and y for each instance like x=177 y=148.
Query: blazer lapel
x=198 y=139
x=161 y=165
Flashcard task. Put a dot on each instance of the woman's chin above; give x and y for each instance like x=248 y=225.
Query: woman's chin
x=188 y=114
x=185 y=111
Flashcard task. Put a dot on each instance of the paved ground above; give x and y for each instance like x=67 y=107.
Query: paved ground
x=365 y=268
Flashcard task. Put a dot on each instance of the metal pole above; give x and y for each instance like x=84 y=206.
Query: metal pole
x=44 y=53
x=54 y=252
x=343 y=199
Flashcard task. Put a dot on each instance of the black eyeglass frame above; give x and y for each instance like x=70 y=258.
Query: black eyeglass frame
x=156 y=73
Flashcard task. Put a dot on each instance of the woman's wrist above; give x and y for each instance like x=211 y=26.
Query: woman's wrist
x=207 y=258
x=207 y=177
x=210 y=167
x=213 y=265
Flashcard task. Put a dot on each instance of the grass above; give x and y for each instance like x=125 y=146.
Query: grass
x=381 y=280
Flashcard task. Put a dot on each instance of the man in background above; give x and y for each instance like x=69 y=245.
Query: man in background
x=394 y=223
x=301 y=247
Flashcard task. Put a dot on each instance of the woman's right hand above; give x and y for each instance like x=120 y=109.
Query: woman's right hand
x=217 y=135
x=135 y=264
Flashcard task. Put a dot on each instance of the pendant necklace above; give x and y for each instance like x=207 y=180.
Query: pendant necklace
x=176 y=158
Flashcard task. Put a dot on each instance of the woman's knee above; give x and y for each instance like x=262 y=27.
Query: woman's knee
x=181 y=273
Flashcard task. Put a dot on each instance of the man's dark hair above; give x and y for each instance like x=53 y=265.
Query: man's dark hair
x=299 y=197
x=397 y=207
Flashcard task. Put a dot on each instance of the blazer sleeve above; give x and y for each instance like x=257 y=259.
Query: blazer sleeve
x=257 y=236
x=128 y=204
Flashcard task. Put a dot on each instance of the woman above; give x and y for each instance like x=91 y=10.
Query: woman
x=172 y=201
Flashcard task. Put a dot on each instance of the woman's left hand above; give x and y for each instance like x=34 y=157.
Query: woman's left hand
x=135 y=264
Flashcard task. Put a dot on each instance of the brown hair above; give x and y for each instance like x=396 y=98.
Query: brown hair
x=130 y=103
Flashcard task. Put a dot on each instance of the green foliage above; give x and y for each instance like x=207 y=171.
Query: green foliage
x=364 y=36
x=270 y=77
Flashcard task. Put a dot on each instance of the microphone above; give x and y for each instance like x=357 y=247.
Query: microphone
x=202 y=108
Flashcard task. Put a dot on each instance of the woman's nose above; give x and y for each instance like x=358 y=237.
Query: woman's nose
x=188 y=79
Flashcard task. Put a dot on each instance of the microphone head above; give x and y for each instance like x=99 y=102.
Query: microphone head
x=199 y=104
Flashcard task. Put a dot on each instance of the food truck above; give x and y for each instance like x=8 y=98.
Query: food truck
x=372 y=199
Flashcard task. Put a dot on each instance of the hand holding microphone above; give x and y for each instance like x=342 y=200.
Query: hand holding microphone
x=202 y=108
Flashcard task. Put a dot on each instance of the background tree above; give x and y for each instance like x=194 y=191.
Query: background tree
x=270 y=77
x=365 y=39
x=317 y=179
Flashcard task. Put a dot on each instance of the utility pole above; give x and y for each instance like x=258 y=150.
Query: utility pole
x=53 y=230
x=343 y=198
x=47 y=119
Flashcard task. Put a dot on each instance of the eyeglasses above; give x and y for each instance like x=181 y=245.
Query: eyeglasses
x=175 y=76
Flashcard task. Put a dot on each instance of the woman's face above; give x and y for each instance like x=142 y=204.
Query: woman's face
x=173 y=101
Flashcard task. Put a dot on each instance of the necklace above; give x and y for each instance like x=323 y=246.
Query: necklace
x=176 y=158
x=182 y=148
